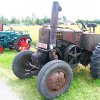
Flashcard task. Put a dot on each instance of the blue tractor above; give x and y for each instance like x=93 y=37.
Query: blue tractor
x=14 y=40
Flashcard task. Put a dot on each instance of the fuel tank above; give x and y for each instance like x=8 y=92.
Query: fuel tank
x=89 y=41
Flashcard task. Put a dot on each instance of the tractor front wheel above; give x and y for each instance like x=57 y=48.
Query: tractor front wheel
x=1 y=49
x=22 y=65
x=22 y=43
x=54 y=79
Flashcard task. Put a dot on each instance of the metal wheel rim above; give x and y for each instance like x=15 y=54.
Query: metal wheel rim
x=22 y=44
x=73 y=55
x=56 y=81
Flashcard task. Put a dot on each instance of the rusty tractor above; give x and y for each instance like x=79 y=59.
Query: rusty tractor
x=59 y=51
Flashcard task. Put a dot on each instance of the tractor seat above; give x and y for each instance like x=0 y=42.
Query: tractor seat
x=91 y=25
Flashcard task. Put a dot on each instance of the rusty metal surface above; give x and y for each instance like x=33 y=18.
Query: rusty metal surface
x=89 y=41
x=56 y=81
x=44 y=36
x=71 y=36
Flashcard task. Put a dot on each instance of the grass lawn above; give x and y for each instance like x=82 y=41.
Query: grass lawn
x=83 y=86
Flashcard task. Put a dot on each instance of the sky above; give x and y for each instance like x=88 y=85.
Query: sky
x=72 y=9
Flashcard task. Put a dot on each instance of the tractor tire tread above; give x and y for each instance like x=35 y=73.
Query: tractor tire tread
x=17 y=61
x=95 y=63
x=41 y=75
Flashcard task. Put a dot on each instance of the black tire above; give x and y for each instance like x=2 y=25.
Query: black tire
x=95 y=63
x=18 y=39
x=44 y=74
x=20 y=67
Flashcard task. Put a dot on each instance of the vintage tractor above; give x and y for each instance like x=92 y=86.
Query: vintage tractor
x=11 y=39
x=59 y=50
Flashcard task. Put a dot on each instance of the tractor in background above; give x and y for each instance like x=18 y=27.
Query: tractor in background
x=59 y=50
x=14 y=40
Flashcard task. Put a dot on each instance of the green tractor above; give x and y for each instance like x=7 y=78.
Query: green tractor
x=14 y=40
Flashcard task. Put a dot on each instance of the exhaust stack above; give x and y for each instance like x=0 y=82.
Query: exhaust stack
x=54 y=23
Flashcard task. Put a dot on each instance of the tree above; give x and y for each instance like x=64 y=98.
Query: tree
x=42 y=21
x=46 y=19
x=39 y=21
x=13 y=20
x=18 y=21
x=4 y=20
x=29 y=21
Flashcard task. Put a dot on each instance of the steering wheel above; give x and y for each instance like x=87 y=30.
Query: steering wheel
x=81 y=25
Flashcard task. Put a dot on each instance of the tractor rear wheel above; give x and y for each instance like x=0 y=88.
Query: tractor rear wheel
x=22 y=43
x=95 y=62
x=22 y=65
x=54 y=78
x=1 y=49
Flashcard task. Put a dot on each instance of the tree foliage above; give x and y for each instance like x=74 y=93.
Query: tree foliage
x=97 y=21
x=4 y=20
x=14 y=20
x=35 y=21
x=26 y=21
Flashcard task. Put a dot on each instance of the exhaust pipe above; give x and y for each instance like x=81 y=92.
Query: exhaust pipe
x=54 y=23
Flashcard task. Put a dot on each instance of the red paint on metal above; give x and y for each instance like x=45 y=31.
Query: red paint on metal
x=22 y=44
x=72 y=36
x=69 y=36
x=1 y=49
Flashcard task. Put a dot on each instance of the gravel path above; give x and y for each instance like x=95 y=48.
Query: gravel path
x=6 y=93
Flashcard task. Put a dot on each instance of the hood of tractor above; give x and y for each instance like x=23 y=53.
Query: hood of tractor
x=70 y=35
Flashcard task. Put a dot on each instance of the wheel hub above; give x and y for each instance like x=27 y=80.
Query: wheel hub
x=72 y=55
x=56 y=81
x=23 y=44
